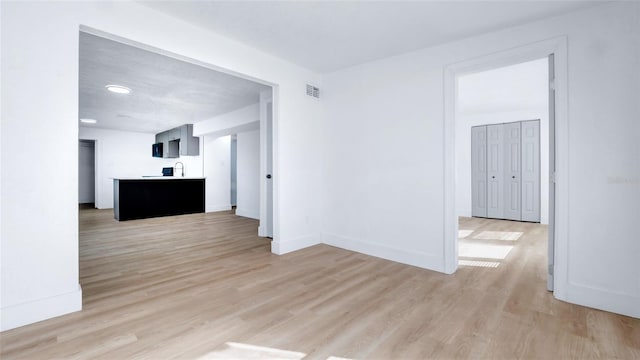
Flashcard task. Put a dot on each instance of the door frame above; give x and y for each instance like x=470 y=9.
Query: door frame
x=529 y=52
x=275 y=98
x=266 y=228
x=95 y=168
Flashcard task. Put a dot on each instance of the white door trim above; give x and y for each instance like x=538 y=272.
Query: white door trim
x=267 y=216
x=274 y=120
x=537 y=50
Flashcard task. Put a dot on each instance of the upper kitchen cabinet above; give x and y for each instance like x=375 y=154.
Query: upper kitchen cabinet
x=178 y=142
x=174 y=134
x=170 y=145
x=162 y=137
x=189 y=144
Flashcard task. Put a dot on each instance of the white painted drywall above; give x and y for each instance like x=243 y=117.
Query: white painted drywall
x=192 y=165
x=86 y=172
x=233 y=122
x=39 y=53
x=238 y=122
x=217 y=170
x=249 y=174
x=384 y=150
x=508 y=94
x=120 y=154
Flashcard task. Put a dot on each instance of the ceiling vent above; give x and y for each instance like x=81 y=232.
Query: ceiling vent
x=313 y=91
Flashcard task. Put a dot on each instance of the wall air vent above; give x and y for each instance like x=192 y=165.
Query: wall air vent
x=313 y=91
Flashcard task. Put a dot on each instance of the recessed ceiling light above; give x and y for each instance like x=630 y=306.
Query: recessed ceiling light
x=88 y=121
x=118 y=89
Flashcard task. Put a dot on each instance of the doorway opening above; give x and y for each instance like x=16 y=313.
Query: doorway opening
x=230 y=104
x=555 y=50
x=87 y=174
x=201 y=106
x=502 y=162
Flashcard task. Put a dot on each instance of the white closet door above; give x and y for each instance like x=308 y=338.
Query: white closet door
x=512 y=159
x=495 y=173
x=531 y=170
x=479 y=171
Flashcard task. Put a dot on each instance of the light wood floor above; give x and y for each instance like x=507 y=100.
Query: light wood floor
x=205 y=286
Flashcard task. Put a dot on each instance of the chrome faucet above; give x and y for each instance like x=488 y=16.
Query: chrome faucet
x=175 y=169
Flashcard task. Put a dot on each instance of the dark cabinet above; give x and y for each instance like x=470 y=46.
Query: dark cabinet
x=145 y=198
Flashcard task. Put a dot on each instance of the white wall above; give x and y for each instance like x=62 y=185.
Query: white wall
x=120 y=154
x=40 y=46
x=193 y=165
x=217 y=170
x=248 y=174
x=86 y=172
x=384 y=152
x=243 y=119
x=507 y=94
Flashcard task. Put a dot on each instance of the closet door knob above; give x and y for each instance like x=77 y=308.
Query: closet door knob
x=513 y=177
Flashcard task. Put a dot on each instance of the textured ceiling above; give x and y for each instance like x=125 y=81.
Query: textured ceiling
x=165 y=92
x=328 y=35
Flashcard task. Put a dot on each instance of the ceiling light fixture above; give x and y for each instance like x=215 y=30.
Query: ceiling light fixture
x=118 y=89
x=88 y=121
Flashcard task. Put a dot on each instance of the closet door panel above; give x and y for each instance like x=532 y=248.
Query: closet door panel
x=512 y=171
x=479 y=171
x=531 y=171
x=495 y=173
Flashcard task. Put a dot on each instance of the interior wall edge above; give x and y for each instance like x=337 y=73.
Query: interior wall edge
x=248 y=213
x=284 y=246
x=409 y=257
x=215 y=208
x=603 y=299
x=29 y=312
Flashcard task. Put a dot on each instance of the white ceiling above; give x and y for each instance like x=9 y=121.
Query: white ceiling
x=328 y=35
x=165 y=92
x=522 y=87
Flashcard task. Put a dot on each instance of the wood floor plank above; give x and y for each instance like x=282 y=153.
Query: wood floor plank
x=205 y=286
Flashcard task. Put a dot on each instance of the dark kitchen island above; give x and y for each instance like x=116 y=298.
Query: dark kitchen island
x=140 y=198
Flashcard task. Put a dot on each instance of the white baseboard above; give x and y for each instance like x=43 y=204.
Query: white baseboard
x=262 y=231
x=214 y=208
x=287 y=246
x=603 y=299
x=14 y=316
x=248 y=214
x=414 y=258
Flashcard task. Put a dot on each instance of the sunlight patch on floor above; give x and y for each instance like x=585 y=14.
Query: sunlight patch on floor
x=499 y=235
x=484 y=251
x=477 y=263
x=234 y=350
x=464 y=233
